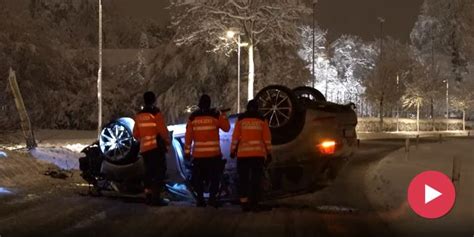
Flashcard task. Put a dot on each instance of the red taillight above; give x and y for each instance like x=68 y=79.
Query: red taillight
x=327 y=147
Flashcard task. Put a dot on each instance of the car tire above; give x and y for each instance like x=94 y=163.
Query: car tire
x=284 y=113
x=117 y=144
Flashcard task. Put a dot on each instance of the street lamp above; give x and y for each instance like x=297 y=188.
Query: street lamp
x=99 y=73
x=382 y=21
x=447 y=103
x=314 y=41
x=398 y=102
x=231 y=33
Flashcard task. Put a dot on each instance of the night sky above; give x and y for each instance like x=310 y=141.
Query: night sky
x=358 y=17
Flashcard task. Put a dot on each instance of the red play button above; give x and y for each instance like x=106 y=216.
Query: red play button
x=431 y=194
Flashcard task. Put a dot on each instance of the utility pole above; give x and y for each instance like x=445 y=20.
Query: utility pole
x=314 y=43
x=99 y=76
x=381 y=113
x=238 y=73
x=382 y=21
x=447 y=104
x=398 y=102
x=230 y=34
x=432 y=72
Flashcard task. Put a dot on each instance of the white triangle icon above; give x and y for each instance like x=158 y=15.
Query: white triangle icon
x=431 y=194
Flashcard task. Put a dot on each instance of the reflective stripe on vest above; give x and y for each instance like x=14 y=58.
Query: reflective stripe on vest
x=204 y=128
x=251 y=127
x=148 y=142
x=206 y=149
x=146 y=125
x=205 y=137
x=206 y=143
x=250 y=148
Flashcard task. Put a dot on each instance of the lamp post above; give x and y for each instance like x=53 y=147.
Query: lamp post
x=447 y=104
x=314 y=42
x=382 y=21
x=99 y=73
x=381 y=103
x=398 y=102
x=230 y=35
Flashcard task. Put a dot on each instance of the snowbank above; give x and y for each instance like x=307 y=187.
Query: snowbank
x=388 y=181
x=61 y=157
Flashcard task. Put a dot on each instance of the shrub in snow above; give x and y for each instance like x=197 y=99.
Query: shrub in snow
x=408 y=125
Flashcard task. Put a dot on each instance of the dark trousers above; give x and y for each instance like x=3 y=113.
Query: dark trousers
x=250 y=178
x=155 y=170
x=206 y=171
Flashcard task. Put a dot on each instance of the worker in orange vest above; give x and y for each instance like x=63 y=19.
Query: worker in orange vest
x=150 y=130
x=202 y=143
x=251 y=144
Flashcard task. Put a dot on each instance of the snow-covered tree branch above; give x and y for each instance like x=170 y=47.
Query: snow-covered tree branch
x=258 y=22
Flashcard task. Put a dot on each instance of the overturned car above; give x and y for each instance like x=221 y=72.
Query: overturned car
x=312 y=141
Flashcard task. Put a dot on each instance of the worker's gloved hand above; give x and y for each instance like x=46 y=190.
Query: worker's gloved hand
x=233 y=155
x=187 y=157
x=268 y=160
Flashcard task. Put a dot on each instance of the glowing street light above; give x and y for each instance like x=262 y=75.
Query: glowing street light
x=230 y=34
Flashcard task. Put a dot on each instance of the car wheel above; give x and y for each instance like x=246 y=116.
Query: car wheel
x=117 y=144
x=281 y=108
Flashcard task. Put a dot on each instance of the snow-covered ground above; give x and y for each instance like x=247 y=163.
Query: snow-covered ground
x=31 y=202
x=59 y=147
x=61 y=157
x=72 y=139
x=387 y=184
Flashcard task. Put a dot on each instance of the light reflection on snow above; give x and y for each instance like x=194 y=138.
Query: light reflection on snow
x=14 y=147
x=4 y=191
x=61 y=157
x=75 y=147
x=3 y=154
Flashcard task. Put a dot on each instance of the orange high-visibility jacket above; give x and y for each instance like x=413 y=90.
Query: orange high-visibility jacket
x=202 y=134
x=149 y=124
x=251 y=137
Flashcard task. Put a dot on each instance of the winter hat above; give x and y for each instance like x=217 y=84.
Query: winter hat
x=149 y=98
x=204 y=102
x=252 y=105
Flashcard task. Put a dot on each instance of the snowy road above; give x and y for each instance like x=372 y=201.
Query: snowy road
x=43 y=206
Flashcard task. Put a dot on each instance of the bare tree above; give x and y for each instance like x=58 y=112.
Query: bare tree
x=463 y=99
x=261 y=22
x=418 y=90
x=381 y=84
